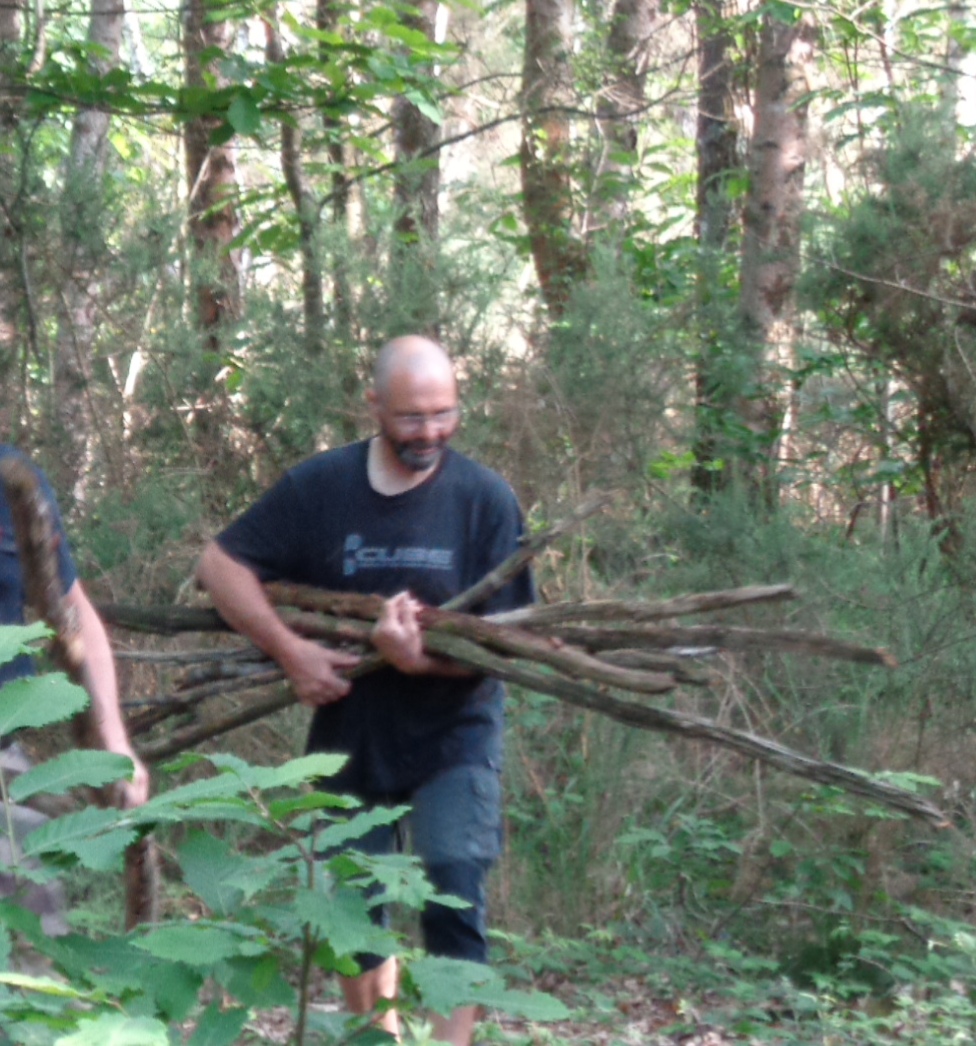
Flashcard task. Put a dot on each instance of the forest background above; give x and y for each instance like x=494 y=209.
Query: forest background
x=716 y=258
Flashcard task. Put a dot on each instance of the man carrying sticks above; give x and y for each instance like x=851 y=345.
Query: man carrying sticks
x=404 y=516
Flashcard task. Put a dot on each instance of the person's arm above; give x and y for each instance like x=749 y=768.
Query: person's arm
x=238 y=595
x=99 y=679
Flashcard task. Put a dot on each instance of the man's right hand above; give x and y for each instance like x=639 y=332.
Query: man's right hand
x=313 y=671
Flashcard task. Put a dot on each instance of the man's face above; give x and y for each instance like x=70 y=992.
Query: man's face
x=417 y=419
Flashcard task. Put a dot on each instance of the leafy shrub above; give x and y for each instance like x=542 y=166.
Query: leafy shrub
x=264 y=922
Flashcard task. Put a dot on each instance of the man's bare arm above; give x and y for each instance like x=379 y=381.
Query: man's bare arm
x=99 y=679
x=238 y=595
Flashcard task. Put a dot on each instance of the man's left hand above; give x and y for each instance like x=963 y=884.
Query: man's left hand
x=398 y=636
x=134 y=792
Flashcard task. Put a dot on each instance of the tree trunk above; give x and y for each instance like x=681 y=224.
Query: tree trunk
x=547 y=197
x=11 y=29
x=715 y=143
x=620 y=111
x=211 y=173
x=771 y=246
x=307 y=209
x=416 y=186
x=81 y=225
x=346 y=335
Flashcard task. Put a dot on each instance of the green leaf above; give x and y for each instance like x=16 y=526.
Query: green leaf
x=198 y=944
x=343 y=832
x=256 y=981
x=115 y=1029
x=243 y=114
x=341 y=917
x=283 y=809
x=288 y=775
x=16 y=639
x=208 y=865
x=39 y=701
x=219 y=1027
x=447 y=983
x=96 y=838
x=42 y=985
x=70 y=770
x=425 y=106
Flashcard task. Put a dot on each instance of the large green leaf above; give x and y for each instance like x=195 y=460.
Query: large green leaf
x=42 y=985
x=219 y=1027
x=289 y=775
x=447 y=983
x=199 y=944
x=17 y=639
x=243 y=113
x=346 y=831
x=71 y=770
x=97 y=838
x=119 y=969
x=209 y=867
x=341 y=917
x=39 y=701
x=115 y=1029
x=256 y=981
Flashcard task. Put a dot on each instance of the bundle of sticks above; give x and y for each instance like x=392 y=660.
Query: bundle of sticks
x=587 y=654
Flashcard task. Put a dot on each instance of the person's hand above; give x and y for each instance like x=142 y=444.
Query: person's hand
x=397 y=634
x=136 y=791
x=313 y=671
x=130 y=793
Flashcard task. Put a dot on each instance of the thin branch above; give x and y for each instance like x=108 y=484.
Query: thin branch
x=637 y=610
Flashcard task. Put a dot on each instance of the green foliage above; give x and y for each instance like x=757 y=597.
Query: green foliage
x=887 y=280
x=267 y=917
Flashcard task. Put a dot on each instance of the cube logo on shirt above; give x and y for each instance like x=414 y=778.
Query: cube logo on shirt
x=359 y=556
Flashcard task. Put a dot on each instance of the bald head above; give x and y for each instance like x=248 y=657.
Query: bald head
x=414 y=399
x=413 y=359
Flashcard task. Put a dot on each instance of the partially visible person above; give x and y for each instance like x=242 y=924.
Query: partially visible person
x=404 y=516
x=98 y=671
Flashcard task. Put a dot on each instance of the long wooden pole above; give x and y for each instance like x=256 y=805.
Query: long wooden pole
x=36 y=546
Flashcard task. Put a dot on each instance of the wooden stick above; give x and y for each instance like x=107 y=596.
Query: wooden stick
x=648 y=717
x=728 y=637
x=635 y=610
x=531 y=546
x=519 y=643
x=581 y=694
x=37 y=548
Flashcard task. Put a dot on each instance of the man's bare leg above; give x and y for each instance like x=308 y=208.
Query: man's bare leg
x=458 y=1028
x=362 y=993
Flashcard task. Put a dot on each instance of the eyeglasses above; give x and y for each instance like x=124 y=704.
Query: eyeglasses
x=415 y=422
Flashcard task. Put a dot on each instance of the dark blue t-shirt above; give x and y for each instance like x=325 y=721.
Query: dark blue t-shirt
x=323 y=524
x=12 y=599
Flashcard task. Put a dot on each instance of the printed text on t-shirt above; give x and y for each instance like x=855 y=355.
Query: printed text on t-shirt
x=359 y=556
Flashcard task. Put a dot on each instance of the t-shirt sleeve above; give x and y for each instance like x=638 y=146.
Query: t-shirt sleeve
x=267 y=536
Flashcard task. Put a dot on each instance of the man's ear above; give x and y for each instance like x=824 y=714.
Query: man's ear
x=372 y=402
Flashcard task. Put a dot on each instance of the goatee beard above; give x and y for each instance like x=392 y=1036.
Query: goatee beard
x=419 y=459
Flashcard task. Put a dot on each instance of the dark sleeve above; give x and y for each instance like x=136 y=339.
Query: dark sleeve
x=500 y=538
x=268 y=537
